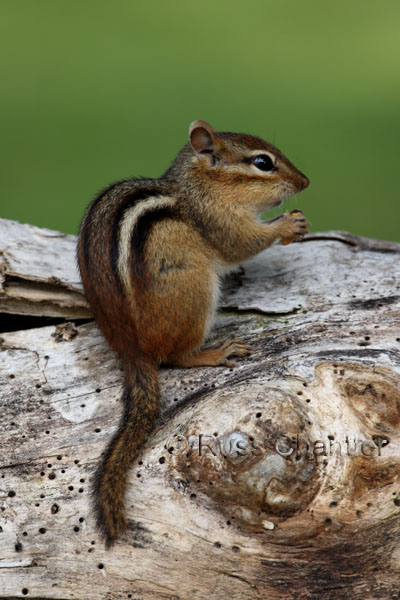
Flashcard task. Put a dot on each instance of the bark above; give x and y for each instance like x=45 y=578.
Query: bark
x=277 y=479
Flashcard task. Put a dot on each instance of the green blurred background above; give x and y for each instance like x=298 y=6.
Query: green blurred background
x=95 y=91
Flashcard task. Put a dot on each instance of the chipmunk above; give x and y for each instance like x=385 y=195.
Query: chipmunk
x=151 y=253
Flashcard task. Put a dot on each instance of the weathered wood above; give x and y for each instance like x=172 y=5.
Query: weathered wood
x=222 y=504
x=38 y=273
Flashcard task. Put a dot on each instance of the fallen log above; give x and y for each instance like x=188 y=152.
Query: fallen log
x=279 y=478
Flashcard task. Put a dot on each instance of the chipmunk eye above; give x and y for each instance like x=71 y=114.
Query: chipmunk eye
x=263 y=162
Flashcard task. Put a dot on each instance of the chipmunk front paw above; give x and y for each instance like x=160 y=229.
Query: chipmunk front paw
x=294 y=226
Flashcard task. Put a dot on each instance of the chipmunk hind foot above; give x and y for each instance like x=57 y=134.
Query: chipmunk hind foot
x=216 y=355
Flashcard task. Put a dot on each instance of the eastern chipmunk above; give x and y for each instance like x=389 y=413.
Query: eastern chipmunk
x=151 y=252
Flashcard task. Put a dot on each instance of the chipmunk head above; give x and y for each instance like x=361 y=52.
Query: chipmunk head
x=246 y=168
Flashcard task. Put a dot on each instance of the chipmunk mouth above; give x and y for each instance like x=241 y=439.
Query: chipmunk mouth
x=288 y=191
x=267 y=207
x=281 y=193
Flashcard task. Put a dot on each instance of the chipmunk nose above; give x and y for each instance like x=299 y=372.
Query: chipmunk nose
x=304 y=182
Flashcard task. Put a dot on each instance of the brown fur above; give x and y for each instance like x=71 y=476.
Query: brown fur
x=150 y=253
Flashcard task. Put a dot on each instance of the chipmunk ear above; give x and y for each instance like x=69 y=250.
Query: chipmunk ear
x=201 y=137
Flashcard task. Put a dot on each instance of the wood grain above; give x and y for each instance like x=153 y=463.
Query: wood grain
x=225 y=501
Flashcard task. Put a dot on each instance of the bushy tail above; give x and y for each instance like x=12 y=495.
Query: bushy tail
x=141 y=406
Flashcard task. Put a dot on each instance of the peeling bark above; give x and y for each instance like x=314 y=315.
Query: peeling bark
x=279 y=478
